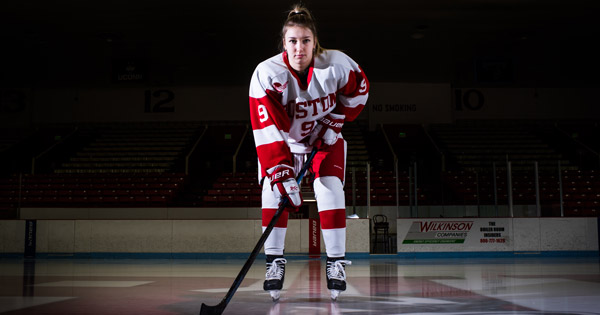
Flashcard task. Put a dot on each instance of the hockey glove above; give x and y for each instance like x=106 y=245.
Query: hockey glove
x=284 y=185
x=327 y=130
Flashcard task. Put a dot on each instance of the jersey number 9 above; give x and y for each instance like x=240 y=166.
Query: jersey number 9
x=263 y=115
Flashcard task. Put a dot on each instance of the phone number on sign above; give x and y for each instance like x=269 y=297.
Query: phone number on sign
x=492 y=240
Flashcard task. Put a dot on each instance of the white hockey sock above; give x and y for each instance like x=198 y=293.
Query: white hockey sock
x=335 y=242
x=275 y=243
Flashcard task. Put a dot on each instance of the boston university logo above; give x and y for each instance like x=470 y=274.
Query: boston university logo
x=280 y=87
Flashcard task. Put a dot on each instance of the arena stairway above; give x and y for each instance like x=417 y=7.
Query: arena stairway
x=131 y=148
x=476 y=147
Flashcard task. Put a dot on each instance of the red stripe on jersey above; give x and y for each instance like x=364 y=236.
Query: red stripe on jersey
x=357 y=84
x=273 y=154
x=333 y=219
x=350 y=88
x=268 y=214
x=350 y=112
x=267 y=111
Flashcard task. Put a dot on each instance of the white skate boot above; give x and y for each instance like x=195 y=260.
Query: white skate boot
x=274 y=276
x=336 y=276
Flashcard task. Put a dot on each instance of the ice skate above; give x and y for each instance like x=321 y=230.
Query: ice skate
x=336 y=276
x=274 y=276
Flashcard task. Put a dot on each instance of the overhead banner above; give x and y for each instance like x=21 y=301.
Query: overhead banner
x=410 y=103
x=526 y=103
x=389 y=103
x=131 y=104
x=129 y=71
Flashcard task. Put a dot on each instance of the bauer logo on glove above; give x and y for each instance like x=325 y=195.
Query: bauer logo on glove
x=332 y=123
x=279 y=175
x=327 y=131
x=283 y=183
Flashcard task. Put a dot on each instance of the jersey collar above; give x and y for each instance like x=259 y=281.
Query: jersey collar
x=310 y=71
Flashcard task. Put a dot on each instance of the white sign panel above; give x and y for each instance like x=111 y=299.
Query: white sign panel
x=444 y=235
x=410 y=103
x=526 y=103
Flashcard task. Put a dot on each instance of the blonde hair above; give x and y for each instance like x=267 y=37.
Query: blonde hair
x=300 y=16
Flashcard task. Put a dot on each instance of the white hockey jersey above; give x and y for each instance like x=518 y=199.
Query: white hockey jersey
x=284 y=110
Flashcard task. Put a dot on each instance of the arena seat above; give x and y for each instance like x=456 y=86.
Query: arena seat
x=234 y=190
x=476 y=145
x=49 y=190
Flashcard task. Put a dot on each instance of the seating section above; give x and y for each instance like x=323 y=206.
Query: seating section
x=581 y=193
x=234 y=190
x=106 y=165
x=221 y=143
x=473 y=149
x=477 y=146
x=469 y=187
x=95 y=190
x=143 y=164
x=583 y=137
x=17 y=148
x=409 y=142
x=354 y=134
x=243 y=190
x=382 y=189
x=580 y=190
x=130 y=148
x=586 y=132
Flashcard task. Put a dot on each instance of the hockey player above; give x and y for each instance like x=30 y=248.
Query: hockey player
x=301 y=98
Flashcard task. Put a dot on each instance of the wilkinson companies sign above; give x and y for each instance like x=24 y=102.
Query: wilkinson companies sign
x=438 y=232
x=476 y=232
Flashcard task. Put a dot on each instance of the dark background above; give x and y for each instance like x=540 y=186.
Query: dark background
x=499 y=43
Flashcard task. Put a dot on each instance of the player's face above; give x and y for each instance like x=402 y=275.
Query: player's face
x=299 y=43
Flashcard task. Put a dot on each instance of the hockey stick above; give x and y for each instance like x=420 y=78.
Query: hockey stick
x=219 y=308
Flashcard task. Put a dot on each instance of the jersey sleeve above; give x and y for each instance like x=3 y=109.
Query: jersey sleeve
x=270 y=123
x=353 y=92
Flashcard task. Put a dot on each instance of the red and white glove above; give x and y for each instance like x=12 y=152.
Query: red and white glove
x=283 y=183
x=327 y=130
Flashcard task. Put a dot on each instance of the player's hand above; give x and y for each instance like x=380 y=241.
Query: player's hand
x=327 y=131
x=283 y=183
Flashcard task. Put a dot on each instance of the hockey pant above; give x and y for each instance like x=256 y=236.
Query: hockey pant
x=329 y=169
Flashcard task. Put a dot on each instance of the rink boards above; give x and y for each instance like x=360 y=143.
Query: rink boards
x=186 y=238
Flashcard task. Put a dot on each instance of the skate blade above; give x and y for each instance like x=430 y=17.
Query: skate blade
x=275 y=295
x=335 y=294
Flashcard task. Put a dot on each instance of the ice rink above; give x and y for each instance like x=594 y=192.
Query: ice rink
x=376 y=285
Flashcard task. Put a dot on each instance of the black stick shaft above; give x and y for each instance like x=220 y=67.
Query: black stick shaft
x=261 y=241
x=218 y=309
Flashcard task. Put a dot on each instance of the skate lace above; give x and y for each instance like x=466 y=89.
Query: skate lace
x=275 y=269
x=336 y=270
